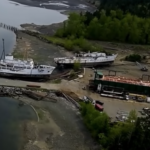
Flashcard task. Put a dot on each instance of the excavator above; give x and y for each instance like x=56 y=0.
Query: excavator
x=142 y=68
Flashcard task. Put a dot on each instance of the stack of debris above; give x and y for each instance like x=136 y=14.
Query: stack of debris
x=41 y=96
x=122 y=116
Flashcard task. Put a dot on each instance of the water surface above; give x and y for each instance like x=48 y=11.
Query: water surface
x=11 y=116
x=15 y=14
x=10 y=40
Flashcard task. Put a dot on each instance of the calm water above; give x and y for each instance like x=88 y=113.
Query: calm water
x=15 y=15
x=11 y=116
x=10 y=40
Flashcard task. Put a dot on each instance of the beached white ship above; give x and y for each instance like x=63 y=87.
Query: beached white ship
x=16 y=68
x=10 y=67
x=87 y=60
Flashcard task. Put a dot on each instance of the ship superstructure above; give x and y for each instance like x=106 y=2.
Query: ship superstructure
x=11 y=67
x=87 y=59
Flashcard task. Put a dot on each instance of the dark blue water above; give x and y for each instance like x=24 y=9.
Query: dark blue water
x=11 y=117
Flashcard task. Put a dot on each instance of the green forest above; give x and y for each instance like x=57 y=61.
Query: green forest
x=140 y=8
x=117 y=26
x=133 y=134
x=125 y=21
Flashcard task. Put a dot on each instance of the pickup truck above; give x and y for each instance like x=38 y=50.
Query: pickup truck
x=99 y=102
x=99 y=107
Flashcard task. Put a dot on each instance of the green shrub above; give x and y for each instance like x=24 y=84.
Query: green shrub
x=96 y=122
x=68 y=44
x=76 y=66
x=56 y=81
x=73 y=44
x=133 y=58
x=59 y=33
x=83 y=44
x=96 y=48
x=72 y=74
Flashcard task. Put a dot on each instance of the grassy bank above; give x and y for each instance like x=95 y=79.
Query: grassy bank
x=74 y=45
x=70 y=43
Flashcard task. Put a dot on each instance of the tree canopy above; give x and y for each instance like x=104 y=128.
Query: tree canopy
x=140 y=8
x=133 y=134
x=116 y=26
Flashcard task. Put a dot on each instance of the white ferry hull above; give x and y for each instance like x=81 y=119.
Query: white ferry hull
x=24 y=76
x=27 y=69
x=86 y=61
x=26 y=73
x=95 y=64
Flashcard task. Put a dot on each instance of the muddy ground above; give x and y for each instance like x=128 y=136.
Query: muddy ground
x=60 y=127
x=62 y=5
x=30 y=47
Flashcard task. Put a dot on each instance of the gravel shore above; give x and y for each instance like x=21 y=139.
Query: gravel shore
x=60 y=128
x=43 y=29
x=31 y=47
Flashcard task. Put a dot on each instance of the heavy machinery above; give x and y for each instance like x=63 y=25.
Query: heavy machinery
x=142 y=67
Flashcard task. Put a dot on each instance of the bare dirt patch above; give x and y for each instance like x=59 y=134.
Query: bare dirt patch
x=30 y=47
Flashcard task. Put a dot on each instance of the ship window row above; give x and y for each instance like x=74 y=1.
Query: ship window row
x=24 y=67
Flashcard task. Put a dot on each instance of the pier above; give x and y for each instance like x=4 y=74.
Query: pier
x=9 y=27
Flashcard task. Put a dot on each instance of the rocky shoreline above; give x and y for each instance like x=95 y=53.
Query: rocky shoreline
x=43 y=29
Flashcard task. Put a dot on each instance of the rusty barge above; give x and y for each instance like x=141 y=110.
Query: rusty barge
x=121 y=87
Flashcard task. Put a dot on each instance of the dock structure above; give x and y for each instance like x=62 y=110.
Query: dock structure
x=9 y=27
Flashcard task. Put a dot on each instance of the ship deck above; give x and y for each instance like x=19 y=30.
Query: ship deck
x=126 y=80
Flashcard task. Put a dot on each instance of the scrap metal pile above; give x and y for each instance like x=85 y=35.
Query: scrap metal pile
x=10 y=91
x=122 y=116
x=36 y=94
